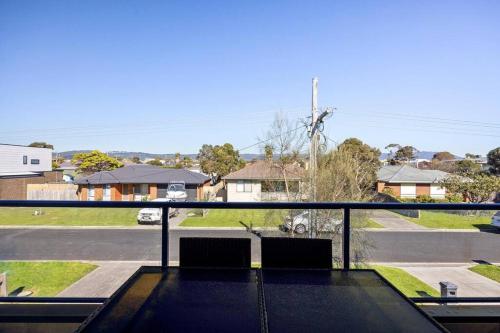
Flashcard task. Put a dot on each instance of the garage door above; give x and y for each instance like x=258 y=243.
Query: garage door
x=408 y=191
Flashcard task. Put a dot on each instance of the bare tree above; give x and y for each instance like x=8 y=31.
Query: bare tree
x=282 y=145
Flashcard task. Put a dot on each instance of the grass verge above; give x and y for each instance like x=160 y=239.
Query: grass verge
x=43 y=278
x=69 y=216
x=441 y=220
x=256 y=217
x=490 y=271
x=405 y=282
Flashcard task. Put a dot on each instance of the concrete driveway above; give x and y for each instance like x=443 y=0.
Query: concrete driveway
x=469 y=284
x=392 y=221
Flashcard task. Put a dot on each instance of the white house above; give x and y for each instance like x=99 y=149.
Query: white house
x=23 y=160
x=263 y=181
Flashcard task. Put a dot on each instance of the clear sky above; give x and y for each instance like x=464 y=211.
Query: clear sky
x=168 y=76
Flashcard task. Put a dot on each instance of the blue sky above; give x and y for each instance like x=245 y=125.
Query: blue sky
x=168 y=76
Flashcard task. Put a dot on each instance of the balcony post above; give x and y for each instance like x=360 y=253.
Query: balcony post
x=164 y=237
x=346 y=239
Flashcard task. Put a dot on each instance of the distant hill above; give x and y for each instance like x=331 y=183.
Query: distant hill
x=142 y=155
x=420 y=155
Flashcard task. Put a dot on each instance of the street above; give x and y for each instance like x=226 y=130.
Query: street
x=145 y=245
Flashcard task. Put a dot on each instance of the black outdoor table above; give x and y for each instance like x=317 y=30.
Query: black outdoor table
x=336 y=301
x=253 y=300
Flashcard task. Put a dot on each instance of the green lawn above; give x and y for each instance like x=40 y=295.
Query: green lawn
x=442 y=220
x=233 y=217
x=405 y=282
x=43 y=278
x=69 y=216
x=258 y=218
x=490 y=271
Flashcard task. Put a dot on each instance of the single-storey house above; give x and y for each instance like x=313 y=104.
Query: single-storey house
x=263 y=181
x=407 y=182
x=139 y=181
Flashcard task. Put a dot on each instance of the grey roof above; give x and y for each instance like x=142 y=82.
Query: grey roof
x=144 y=174
x=265 y=170
x=409 y=174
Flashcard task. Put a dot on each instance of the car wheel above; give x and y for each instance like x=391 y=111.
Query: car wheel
x=300 y=228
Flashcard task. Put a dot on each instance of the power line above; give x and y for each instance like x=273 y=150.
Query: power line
x=430 y=119
x=272 y=138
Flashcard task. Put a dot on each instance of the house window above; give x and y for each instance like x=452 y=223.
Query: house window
x=91 y=193
x=25 y=159
x=106 y=192
x=242 y=186
x=35 y=161
x=141 y=192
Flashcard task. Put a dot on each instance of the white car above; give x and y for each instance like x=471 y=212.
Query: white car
x=153 y=215
x=300 y=224
x=177 y=192
x=495 y=220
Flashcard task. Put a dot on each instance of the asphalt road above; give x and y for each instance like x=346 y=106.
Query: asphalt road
x=143 y=244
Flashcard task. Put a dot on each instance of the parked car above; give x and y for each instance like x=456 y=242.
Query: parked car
x=177 y=191
x=153 y=215
x=300 y=224
x=495 y=220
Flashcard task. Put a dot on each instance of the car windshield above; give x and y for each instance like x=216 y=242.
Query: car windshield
x=176 y=187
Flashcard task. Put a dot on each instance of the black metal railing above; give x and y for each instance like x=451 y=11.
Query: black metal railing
x=346 y=207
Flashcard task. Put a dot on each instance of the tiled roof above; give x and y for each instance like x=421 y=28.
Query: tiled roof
x=266 y=170
x=409 y=174
x=144 y=174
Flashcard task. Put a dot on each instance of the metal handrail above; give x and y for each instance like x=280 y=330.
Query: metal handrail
x=250 y=205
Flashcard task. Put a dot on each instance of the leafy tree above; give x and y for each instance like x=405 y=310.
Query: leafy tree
x=443 y=156
x=474 y=187
x=155 y=162
x=494 y=161
x=368 y=156
x=405 y=154
x=136 y=160
x=218 y=161
x=471 y=156
x=268 y=152
x=94 y=161
x=41 y=145
x=467 y=166
x=187 y=162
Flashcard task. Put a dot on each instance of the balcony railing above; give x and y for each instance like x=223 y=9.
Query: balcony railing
x=345 y=207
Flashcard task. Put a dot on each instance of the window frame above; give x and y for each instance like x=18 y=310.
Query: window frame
x=25 y=159
x=243 y=186
x=35 y=161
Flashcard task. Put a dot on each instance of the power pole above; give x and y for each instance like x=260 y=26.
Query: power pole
x=314 y=130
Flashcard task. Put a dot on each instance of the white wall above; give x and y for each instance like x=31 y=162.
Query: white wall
x=234 y=196
x=437 y=191
x=11 y=159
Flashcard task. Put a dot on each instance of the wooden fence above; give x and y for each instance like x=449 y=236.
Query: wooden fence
x=52 y=192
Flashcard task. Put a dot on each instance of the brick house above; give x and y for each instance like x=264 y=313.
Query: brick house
x=408 y=182
x=139 y=181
